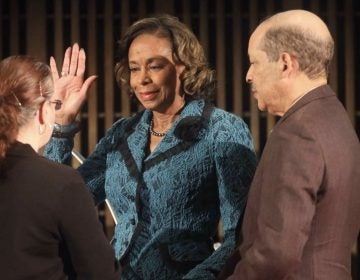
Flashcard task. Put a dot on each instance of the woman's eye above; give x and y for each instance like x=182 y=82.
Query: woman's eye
x=134 y=69
x=155 y=67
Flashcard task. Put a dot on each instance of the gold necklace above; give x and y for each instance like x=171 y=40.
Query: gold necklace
x=162 y=134
x=155 y=133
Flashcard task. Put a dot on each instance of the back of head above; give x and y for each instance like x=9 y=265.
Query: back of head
x=24 y=84
x=303 y=35
x=187 y=50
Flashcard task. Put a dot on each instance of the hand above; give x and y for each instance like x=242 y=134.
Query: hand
x=70 y=86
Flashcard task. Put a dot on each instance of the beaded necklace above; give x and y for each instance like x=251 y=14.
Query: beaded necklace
x=155 y=133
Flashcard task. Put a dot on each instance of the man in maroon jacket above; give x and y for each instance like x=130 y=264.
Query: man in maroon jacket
x=303 y=211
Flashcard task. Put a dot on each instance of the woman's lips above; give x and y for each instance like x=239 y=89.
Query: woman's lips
x=148 y=95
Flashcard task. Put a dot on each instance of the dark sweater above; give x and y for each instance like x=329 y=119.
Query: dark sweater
x=49 y=228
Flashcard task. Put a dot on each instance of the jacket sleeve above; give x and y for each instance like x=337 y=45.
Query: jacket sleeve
x=93 y=169
x=91 y=254
x=59 y=150
x=288 y=198
x=235 y=162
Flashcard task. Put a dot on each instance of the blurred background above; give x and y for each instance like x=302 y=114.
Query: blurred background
x=44 y=28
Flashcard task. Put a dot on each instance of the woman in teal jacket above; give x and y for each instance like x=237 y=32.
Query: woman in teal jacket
x=173 y=170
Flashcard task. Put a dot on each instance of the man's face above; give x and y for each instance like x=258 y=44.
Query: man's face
x=263 y=77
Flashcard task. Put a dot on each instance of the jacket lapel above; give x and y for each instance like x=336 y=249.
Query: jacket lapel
x=138 y=139
x=188 y=129
x=317 y=93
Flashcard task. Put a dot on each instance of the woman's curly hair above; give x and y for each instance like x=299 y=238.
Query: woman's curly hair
x=197 y=80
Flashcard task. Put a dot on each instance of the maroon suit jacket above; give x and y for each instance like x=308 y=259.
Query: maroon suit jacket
x=303 y=211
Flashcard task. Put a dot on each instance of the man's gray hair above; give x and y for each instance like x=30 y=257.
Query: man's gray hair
x=312 y=52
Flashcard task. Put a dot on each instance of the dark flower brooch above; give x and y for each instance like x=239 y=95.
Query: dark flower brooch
x=191 y=128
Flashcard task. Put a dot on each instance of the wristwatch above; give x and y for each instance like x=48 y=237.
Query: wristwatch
x=66 y=131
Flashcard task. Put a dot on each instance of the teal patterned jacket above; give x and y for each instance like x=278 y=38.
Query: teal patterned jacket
x=169 y=203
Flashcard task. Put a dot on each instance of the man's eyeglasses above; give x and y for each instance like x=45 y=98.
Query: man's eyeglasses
x=57 y=103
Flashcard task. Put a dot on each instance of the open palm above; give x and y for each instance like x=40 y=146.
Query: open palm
x=70 y=86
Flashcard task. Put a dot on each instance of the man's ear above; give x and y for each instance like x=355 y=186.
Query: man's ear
x=289 y=64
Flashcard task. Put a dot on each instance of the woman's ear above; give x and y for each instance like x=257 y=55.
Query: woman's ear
x=40 y=117
x=41 y=113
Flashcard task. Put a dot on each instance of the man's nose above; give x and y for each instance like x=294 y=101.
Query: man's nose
x=248 y=78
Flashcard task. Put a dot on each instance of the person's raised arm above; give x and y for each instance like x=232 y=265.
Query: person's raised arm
x=70 y=87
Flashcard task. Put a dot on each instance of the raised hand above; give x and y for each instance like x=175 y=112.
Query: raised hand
x=70 y=86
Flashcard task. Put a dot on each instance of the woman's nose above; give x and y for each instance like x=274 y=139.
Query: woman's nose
x=144 y=77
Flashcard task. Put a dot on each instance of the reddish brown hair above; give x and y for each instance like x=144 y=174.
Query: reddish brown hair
x=24 y=84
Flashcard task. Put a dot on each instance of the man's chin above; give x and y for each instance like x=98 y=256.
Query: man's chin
x=261 y=107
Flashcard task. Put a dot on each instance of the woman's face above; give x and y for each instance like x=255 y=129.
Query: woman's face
x=154 y=75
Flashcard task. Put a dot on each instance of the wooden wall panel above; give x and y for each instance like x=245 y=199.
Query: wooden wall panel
x=220 y=55
x=74 y=37
x=14 y=26
x=36 y=29
x=349 y=61
x=125 y=22
x=186 y=12
x=204 y=25
x=292 y=4
x=108 y=64
x=2 y=15
x=92 y=67
x=315 y=6
x=162 y=6
x=142 y=8
x=238 y=75
x=58 y=31
x=332 y=21
x=74 y=21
